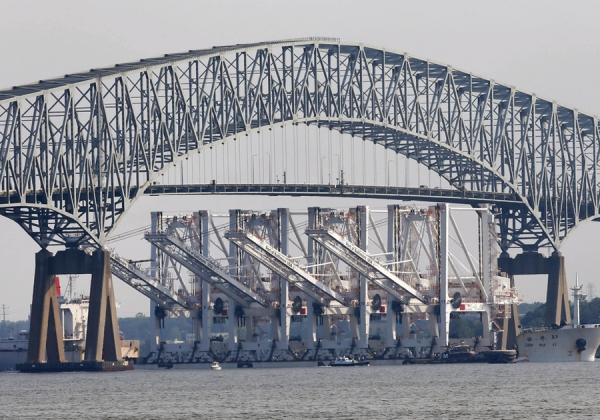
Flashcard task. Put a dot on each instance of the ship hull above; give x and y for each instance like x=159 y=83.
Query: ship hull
x=560 y=345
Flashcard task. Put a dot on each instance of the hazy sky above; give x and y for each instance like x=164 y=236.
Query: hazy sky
x=547 y=47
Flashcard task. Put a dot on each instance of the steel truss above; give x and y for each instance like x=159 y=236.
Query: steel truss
x=78 y=150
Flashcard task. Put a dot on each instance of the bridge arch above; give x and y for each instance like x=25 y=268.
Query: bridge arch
x=87 y=145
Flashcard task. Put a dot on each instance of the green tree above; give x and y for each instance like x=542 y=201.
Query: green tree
x=589 y=312
x=535 y=318
x=465 y=327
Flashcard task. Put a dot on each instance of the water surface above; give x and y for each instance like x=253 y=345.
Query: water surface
x=472 y=391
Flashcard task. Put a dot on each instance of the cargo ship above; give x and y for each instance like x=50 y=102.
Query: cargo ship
x=575 y=342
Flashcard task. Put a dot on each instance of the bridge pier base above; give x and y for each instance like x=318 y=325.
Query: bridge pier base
x=102 y=336
x=507 y=338
x=558 y=310
x=557 y=298
x=45 y=335
x=102 y=339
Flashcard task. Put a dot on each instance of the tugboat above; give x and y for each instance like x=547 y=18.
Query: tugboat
x=460 y=353
x=346 y=361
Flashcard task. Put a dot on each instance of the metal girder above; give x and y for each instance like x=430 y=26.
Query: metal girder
x=87 y=145
x=205 y=267
x=283 y=266
x=362 y=262
x=145 y=284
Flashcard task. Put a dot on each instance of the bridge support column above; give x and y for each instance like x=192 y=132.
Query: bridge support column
x=507 y=338
x=558 y=310
x=557 y=296
x=45 y=336
x=102 y=339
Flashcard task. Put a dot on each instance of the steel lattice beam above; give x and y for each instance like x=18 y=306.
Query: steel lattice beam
x=85 y=146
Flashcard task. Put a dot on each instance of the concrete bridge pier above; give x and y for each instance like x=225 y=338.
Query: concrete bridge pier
x=102 y=336
x=45 y=331
x=507 y=337
x=558 y=311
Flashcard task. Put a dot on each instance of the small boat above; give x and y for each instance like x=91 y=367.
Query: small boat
x=215 y=366
x=346 y=361
x=460 y=353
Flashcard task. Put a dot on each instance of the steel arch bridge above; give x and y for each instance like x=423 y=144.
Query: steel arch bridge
x=77 y=151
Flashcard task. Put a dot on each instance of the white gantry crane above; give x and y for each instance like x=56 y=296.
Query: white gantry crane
x=392 y=278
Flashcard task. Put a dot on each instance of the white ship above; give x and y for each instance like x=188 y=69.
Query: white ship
x=74 y=316
x=571 y=343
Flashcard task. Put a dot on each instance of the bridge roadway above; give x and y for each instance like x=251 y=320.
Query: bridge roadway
x=504 y=200
x=472 y=198
x=358 y=191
